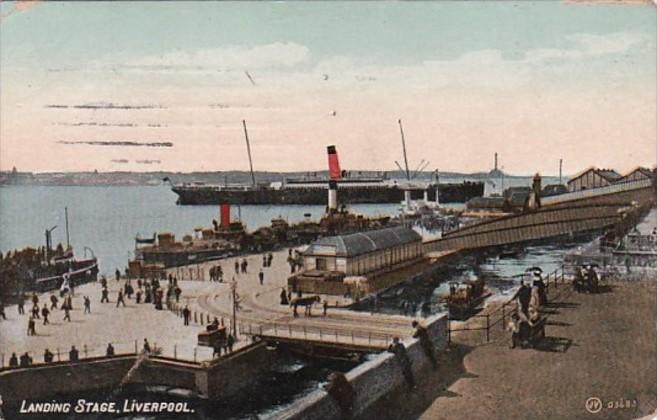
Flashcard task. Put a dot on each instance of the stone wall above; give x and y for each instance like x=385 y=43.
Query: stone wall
x=40 y=382
x=374 y=379
x=233 y=374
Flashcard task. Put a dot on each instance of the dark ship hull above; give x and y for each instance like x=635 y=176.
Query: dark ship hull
x=317 y=195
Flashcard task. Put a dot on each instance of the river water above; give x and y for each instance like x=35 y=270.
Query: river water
x=107 y=219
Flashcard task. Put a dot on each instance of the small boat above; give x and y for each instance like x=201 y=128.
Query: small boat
x=464 y=298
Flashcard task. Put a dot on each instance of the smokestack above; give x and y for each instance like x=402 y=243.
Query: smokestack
x=333 y=196
x=225 y=214
x=334 y=164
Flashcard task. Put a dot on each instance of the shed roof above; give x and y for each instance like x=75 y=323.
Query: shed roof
x=608 y=174
x=365 y=242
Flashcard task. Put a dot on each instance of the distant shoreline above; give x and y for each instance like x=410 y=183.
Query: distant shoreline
x=156 y=178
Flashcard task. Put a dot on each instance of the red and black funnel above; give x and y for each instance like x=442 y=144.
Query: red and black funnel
x=334 y=163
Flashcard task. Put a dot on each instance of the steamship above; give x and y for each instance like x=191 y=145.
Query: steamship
x=370 y=190
x=353 y=190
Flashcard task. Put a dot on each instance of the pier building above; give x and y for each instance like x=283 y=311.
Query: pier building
x=332 y=262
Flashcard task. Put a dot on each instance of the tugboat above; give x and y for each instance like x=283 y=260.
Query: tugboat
x=464 y=298
x=44 y=268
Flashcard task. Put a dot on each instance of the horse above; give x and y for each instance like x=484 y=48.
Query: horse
x=307 y=301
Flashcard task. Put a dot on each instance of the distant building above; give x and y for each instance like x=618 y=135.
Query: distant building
x=359 y=254
x=593 y=178
x=553 y=189
x=636 y=174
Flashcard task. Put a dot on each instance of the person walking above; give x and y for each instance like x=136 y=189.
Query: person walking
x=105 y=295
x=87 y=305
x=21 y=304
x=31 y=327
x=45 y=312
x=261 y=277
x=147 y=346
x=229 y=342
x=186 y=313
x=35 y=311
x=2 y=311
x=67 y=314
x=110 y=350
x=237 y=267
x=53 y=302
x=119 y=300
x=48 y=356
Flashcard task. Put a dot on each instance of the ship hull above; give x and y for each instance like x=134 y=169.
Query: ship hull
x=447 y=193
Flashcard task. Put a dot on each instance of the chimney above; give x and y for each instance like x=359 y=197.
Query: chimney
x=333 y=196
x=334 y=165
x=225 y=214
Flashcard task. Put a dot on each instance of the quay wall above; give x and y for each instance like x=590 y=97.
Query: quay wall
x=373 y=380
x=228 y=376
x=220 y=379
x=43 y=381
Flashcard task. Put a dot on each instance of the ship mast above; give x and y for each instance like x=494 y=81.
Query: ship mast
x=401 y=129
x=68 y=242
x=248 y=150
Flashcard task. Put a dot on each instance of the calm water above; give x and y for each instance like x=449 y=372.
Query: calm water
x=107 y=219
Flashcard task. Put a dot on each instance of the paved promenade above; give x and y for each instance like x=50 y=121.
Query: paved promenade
x=122 y=326
x=260 y=310
x=260 y=304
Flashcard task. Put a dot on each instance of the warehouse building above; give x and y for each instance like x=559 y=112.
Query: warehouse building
x=593 y=178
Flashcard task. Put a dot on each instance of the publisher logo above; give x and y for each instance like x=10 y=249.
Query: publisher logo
x=593 y=405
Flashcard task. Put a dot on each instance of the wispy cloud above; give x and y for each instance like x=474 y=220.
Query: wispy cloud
x=104 y=105
x=270 y=56
x=119 y=143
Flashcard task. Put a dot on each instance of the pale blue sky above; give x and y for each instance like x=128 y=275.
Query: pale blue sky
x=459 y=72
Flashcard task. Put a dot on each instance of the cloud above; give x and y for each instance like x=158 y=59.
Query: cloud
x=236 y=57
x=588 y=46
x=119 y=143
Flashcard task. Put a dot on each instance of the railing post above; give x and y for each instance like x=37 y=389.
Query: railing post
x=3 y=361
x=320 y=334
x=275 y=329
x=289 y=330
x=194 y=354
x=487 y=328
x=84 y=350
x=59 y=359
x=449 y=330
x=336 y=336
x=304 y=331
x=175 y=351
x=369 y=338
x=136 y=347
x=352 y=337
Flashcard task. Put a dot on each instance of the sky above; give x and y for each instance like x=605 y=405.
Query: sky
x=148 y=86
